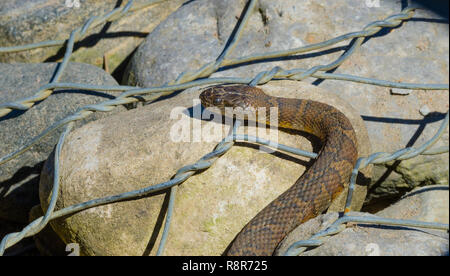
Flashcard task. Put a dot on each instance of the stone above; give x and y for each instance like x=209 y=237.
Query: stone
x=424 y=110
x=398 y=91
x=19 y=177
x=415 y=52
x=107 y=45
x=429 y=204
x=141 y=147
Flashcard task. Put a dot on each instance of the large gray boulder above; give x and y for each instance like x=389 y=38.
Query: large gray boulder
x=19 y=177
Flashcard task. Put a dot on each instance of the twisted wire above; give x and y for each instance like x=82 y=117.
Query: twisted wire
x=221 y=61
x=77 y=34
x=182 y=174
x=186 y=80
x=376 y=158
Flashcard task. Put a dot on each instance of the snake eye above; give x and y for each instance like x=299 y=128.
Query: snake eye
x=217 y=101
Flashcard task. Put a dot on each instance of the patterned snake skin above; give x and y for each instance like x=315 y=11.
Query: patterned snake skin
x=313 y=192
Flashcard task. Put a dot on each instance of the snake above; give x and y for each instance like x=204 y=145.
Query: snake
x=315 y=189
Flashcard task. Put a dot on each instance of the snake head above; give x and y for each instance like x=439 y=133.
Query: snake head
x=233 y=96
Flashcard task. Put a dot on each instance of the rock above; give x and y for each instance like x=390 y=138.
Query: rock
x=426 y=204
x=402 y=176
x=186 y=41
x=398 y=91
x=139 y=148
x=40 y=20
x=19 y=177
x=424 y=110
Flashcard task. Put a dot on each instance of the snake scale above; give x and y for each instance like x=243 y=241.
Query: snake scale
x=313 y=192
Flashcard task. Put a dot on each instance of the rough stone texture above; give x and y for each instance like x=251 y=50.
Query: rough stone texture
x=426 y=204
x=404 y=176
x=19 y=177
x=23 y=22
x=415 y=52
x=136 y=149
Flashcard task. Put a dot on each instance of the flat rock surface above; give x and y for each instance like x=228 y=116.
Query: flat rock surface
x=428 y=204
x=19 y=177
x=415 y=52
x=146 y=146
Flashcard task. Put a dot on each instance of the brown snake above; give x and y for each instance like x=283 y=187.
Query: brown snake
x=313 y=192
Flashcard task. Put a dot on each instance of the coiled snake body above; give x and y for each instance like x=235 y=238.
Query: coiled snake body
x=313 y=192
